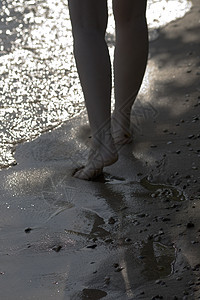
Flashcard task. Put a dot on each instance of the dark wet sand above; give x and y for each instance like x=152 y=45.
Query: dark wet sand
x=134 y=233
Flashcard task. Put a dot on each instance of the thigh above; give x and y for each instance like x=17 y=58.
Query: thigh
x=127 y=10
x=88 y=14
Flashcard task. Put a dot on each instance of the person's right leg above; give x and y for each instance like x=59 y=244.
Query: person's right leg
x=89 y=22
x=131 y=53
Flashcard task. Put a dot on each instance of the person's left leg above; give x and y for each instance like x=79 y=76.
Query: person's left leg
x=89 y=22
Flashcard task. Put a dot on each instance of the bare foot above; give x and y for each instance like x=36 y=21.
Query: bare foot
x=121 y=129
x=100 y=156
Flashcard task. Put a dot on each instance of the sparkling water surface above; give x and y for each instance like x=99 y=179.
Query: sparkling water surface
x=39 y=86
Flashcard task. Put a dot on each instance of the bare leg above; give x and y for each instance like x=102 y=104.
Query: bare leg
x=130 y=61
x=89 y=22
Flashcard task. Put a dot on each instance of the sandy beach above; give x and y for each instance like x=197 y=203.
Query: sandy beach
x=134 y=232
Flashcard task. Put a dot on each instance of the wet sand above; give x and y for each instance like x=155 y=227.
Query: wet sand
x=134 y=233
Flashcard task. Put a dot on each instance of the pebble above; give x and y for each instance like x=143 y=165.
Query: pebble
x=119 y=269
x=57 y=248
x=194 y=242
x=108 y=240
x=194 y=168
x=178 y=151
x=111 y=220
x=157 y=297
x=179 y=278
x=190 y=225
x=196 y=267
x=142 y=215
x=169 y=143
x=142 y=293
x=158 y=281
x=161 y=232
x=190 y=136
x=92 y=246
x=166 y=219
x=128 y=240
x=107 y=280
x=141 y=257
x=27 y=230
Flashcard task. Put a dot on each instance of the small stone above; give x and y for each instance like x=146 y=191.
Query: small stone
x=161 y=232
x=194 y=168
x=139 y=174
x=158 y=281
x=128 y=240
x=27 y=230
x=153 y=146
x=57 y=248
x=169 y=143
x=141 y=215
x=157 y=297
x=119 y=269
x=190 y=136
x=190 y=225
x=157 y=239
x=111 y=220
x=179 y=278
x=108 y=240
x=107 y=280
x=178 y=151
x=92 y=246
x=165 y=219
x=194 y=242
x=196 y=267
x=141 y=257
x=142 y=293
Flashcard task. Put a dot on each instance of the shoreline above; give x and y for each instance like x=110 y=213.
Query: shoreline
x=134 y=233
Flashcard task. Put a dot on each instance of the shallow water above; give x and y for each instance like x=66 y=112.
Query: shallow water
x=39 y=86
x=81 y=239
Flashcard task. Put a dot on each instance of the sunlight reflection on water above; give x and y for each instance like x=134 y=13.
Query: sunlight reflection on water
x=39 y=86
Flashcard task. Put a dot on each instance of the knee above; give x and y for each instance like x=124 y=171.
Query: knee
x=130 y=12
x=87 y=33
